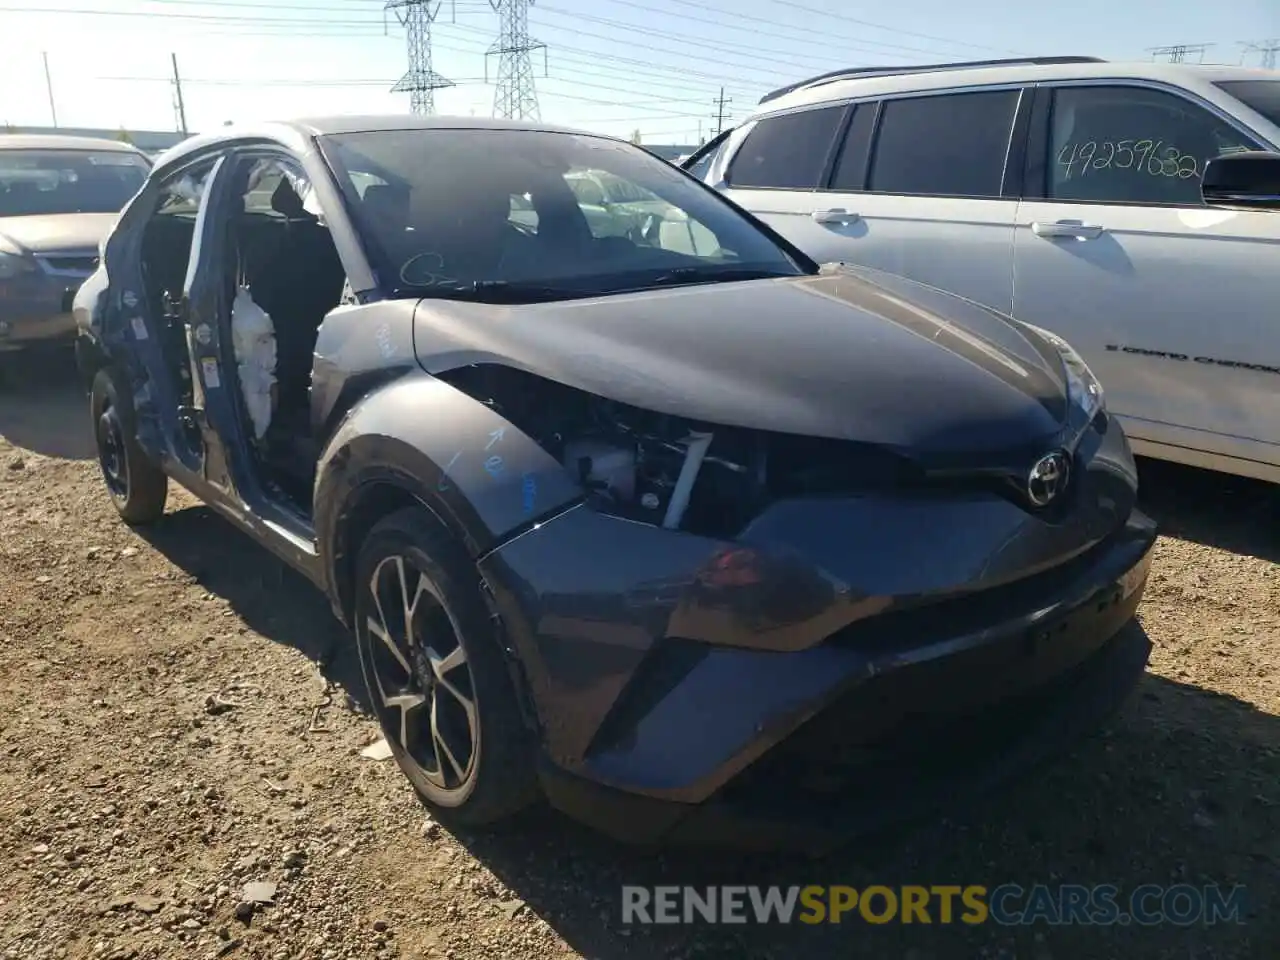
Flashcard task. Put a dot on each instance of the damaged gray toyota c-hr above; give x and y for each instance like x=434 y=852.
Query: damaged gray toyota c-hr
x=642 y=511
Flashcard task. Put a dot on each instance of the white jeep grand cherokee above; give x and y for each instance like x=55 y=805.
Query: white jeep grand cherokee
x=1066 y=191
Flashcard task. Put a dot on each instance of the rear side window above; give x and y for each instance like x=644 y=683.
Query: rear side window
x=1260 y=95
x=945 y=145
x=850 y=173
x=788 y=152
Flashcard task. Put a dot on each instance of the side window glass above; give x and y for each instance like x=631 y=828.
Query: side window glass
x=362 y=180
x=945 y=145
x=639 y=215
x=182 y=196
x=788 y=152
x=703 y=166
x=1132 y=145
x=523 y=215
x=586 y=189
x=850 y=173
x=278 y=189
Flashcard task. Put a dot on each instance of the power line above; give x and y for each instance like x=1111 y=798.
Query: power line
x=792 y=6
x=700 y=5
x=289 y=29
x=516 y=97
x=586 y=62
x=420 y=81
x=728 y=23
x=755 y=52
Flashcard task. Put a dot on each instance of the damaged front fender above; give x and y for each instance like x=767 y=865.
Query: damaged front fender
x=420 y=437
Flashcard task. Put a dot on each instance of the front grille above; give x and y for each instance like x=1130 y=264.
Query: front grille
x=71 y=262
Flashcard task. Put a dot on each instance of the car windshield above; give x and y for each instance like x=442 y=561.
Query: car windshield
x=533 y=215
x=38 y=182
x=1262 y=96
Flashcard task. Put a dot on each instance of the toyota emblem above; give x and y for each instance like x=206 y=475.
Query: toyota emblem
x=1048 y=478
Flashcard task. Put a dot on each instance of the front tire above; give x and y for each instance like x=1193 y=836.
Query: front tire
x=137 y=487
x=435 y=674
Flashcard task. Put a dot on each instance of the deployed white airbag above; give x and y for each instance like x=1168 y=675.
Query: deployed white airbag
x=254 y=339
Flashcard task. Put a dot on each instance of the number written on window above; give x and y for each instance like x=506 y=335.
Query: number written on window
x=1153 y=157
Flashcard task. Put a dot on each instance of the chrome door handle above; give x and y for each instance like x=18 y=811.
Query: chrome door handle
x=1071 y=229
x=835 y=215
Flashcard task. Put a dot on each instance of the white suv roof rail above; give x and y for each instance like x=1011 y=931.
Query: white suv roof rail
x=854 y=72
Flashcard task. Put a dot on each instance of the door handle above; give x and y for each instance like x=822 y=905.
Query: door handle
x=1071 y=229
x=835 y=215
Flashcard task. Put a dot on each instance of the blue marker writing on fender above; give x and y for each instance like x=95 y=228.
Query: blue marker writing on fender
x=443 y=485
x=493 y=466
x=529 y=490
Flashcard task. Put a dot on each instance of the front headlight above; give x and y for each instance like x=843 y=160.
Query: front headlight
x=1082 y=386
x=14 y=265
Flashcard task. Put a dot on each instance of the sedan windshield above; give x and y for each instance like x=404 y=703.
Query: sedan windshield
x=1260 y=95
x=521 y=215
x=39 y=182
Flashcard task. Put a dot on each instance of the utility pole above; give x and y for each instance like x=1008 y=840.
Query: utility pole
x=721 y=102
x=48 y=85
x=516 y=98
x=1178 y=52
x=1266 y=50
x=179 y=107
x=420 y=81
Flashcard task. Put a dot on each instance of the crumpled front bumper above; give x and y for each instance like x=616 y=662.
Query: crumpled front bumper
x=667 y=669
x=894 y=738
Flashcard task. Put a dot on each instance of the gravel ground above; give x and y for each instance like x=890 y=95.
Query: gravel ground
x=168 y=736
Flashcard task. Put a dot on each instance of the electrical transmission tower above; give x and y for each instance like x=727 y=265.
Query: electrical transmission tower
x=1178 y=52
x=515 y=98
x=1266 y=50
x=420 y=81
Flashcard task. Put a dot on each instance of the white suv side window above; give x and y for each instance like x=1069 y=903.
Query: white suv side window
x=1131 y=145
x=787 y=152
x=951 y=144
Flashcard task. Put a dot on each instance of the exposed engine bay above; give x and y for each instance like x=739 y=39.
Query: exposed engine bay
x=670 y=471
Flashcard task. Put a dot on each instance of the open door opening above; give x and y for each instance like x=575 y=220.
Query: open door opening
x=166 y=248
x=285 y=276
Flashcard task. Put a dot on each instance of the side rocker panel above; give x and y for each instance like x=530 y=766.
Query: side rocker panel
x=478 y=473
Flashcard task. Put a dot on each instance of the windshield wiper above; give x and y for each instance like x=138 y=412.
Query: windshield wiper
x=713 y=275
x=506 y=291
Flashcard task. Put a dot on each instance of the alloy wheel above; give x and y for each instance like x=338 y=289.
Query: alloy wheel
x=424 y=689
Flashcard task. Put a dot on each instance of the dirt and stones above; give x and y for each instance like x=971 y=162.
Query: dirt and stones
x=179 y=778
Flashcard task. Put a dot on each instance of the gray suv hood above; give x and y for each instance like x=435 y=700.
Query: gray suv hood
x=848 y=354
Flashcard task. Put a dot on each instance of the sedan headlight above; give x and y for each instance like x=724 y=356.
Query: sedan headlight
x=14 y=265
x=1082 y=386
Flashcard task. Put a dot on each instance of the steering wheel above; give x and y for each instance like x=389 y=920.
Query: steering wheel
x=425 y=270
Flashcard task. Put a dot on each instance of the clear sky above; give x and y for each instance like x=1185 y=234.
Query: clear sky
x=611 y=65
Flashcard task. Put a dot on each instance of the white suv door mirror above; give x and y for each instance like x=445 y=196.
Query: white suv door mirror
x=1247 y=179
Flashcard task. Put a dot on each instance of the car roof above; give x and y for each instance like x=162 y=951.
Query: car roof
x=53 y=141
x=296 y=133
x=945 y=76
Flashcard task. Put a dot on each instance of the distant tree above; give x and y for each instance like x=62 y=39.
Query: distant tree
x=635 y=137
x=124 y=137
